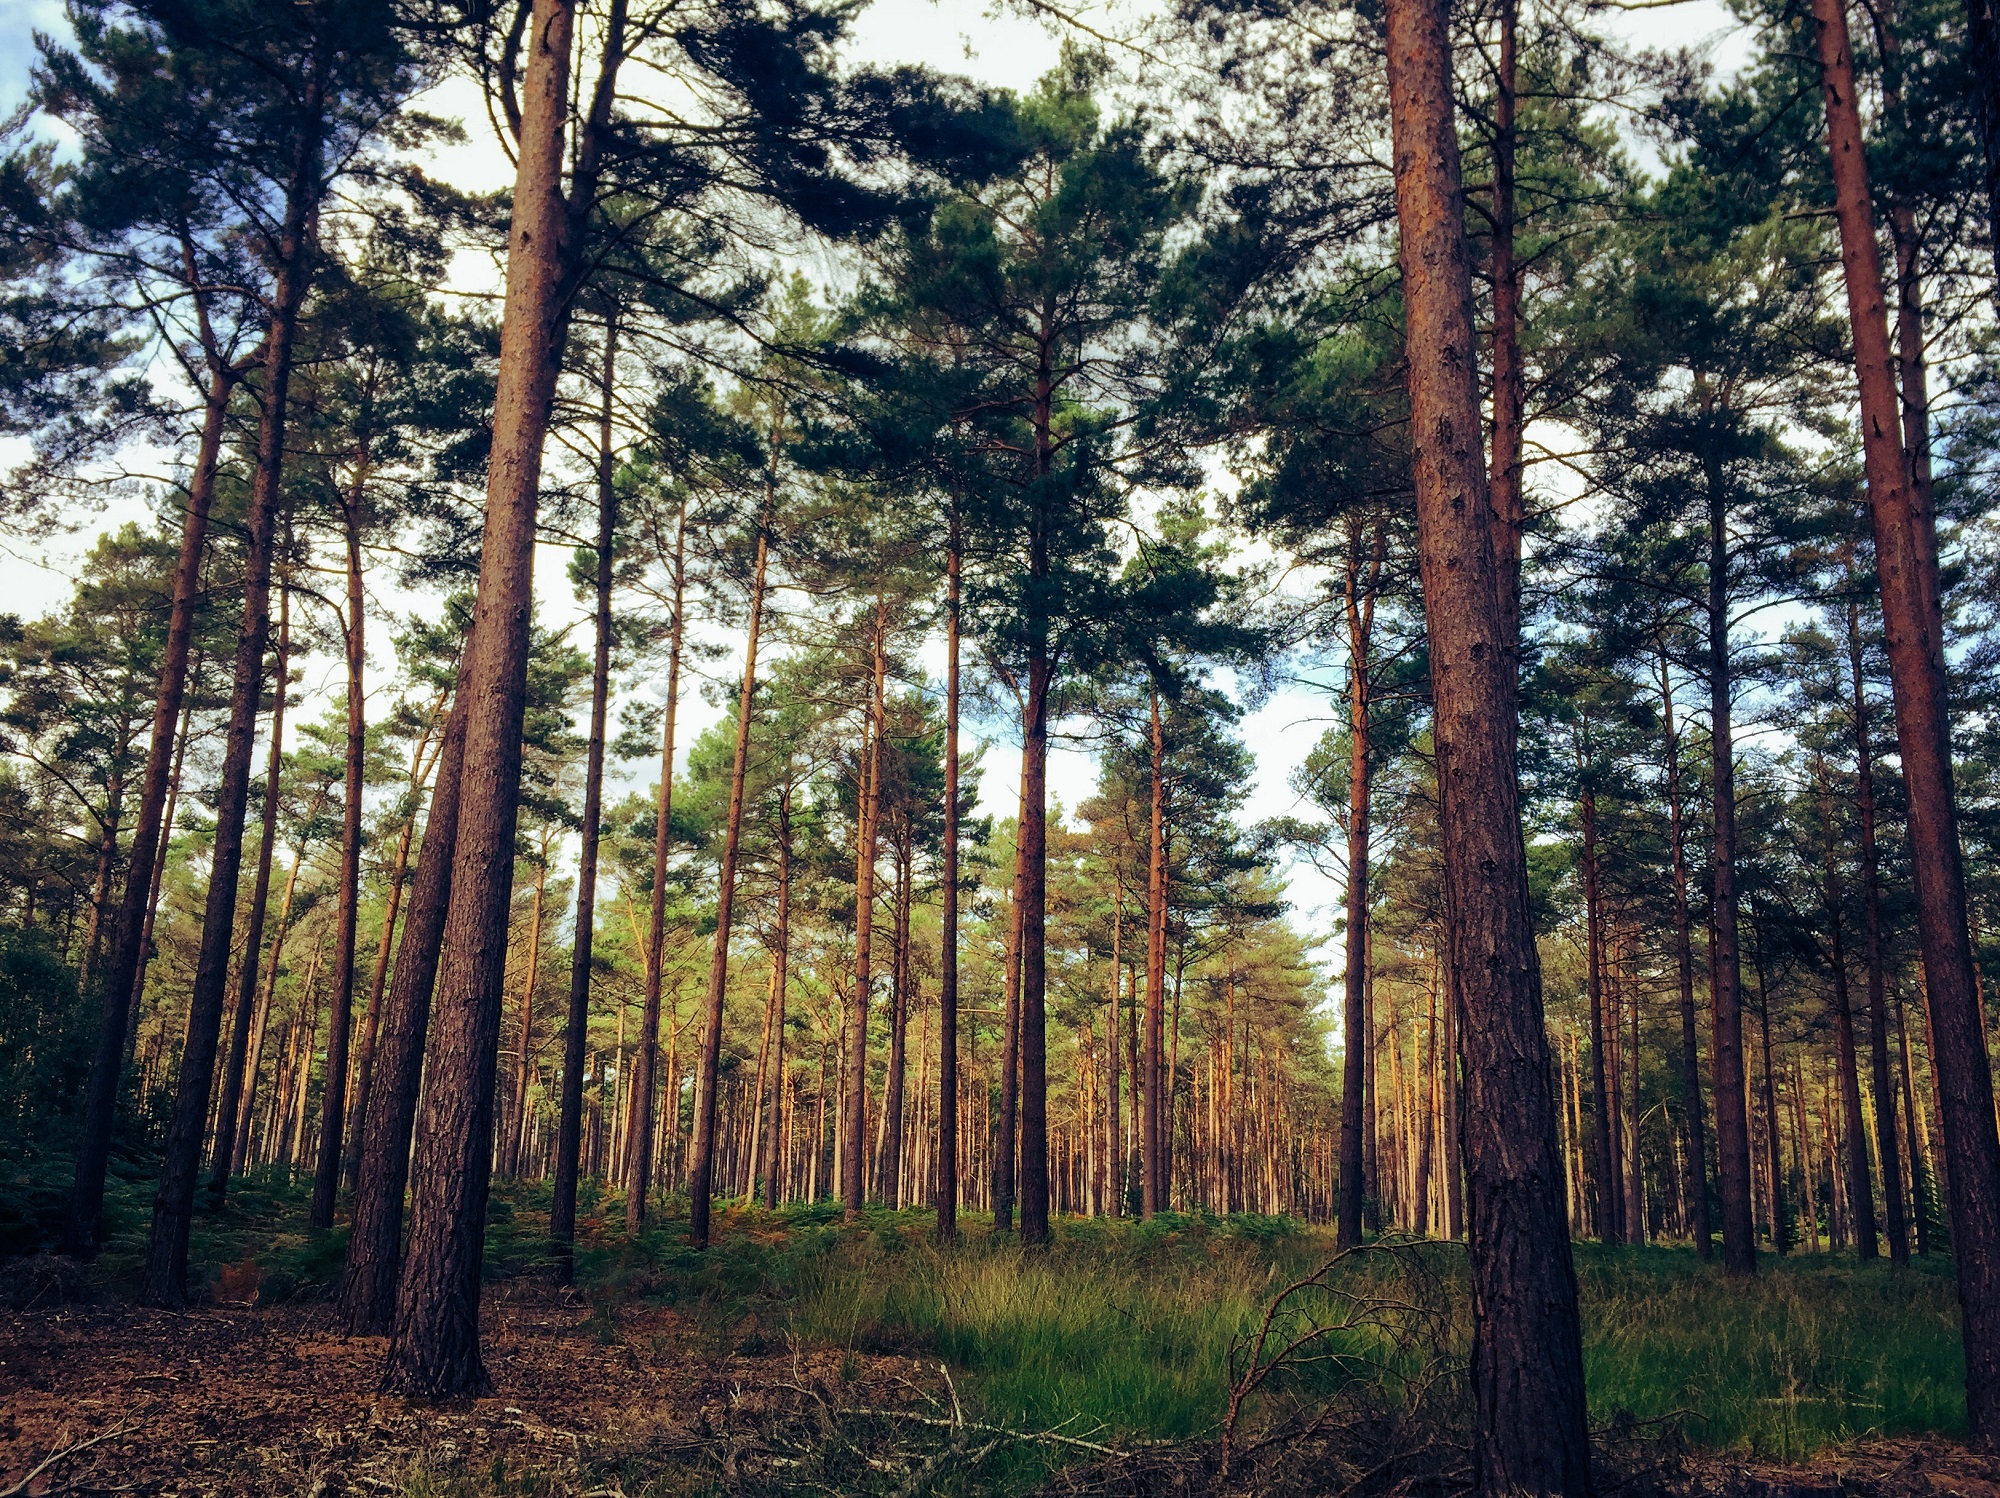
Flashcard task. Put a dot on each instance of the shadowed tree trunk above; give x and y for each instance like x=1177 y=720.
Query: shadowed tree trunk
x=1531 y=1433
x=225 y=1156
x=333 y=1100
x=1694 y=1123
x=1774 y=1166
x=435 y=1352
x=701 y=1164
x=1912 y=614
x=646 y=1065
x=515 y=1124
x=1603 y=1079
x=375 y=1237
x=899 y=1020
x=569 y=1131
x=159 y=868
x=165 y=1281
x=1361 y=587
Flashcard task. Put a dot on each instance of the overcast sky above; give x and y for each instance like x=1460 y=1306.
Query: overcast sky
x=1003 y=47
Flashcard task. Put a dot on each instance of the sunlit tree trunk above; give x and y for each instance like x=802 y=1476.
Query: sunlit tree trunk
x=867 y=810
x=947 y=1135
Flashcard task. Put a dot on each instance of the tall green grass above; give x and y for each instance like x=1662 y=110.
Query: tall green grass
x=1127 y=1328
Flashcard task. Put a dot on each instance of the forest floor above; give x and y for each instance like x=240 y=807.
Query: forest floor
x=799 y=1355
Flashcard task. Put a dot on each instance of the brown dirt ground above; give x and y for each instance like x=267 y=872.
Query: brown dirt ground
x=238 y=1399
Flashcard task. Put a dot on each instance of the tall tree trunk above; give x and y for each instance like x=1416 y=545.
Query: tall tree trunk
x=130 y=938
x=514 y=1125
x=1913 y=1130
x=1860 y=1190
x=646 y=1066
x=701 y=1172
x=1635 y=1180
x=1693 y=1122
x=1774 y=1166
x=375 y=1236
x=1152 y=1176
x=1360 y=614
x=159 y=868
x=947 y=1128
x=781 y=959
x=234 y=1073
x=867 y=811
x=1509 y=392
x=333 y=1100
x=1878 y=994
x=423 y=760
x=1034 y=971
x=1603 y=1078
x=434 y=1352
x=899 y=1022
x=173 y=1206
x=1530 y=1429
x=1906 y=559
x=240 y=1149
x=1725 y=966
x=576 y=1031
x=1114 y=1165
x=1007 y=1136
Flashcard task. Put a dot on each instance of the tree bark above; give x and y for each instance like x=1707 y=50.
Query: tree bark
x=1774 y=1166
x=1906 y=560
x=434 y=1352
x=1530 y=1431
x=701 y=1172
x=165 y=1281
x=333 y=1100
x=234 y=1084
x=646 y=1067
x=1725 y=965
x=899 y=1023
x=375 y=1236
x=576 y=1031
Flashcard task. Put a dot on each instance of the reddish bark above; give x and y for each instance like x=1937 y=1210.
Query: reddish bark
x=1530 y=1430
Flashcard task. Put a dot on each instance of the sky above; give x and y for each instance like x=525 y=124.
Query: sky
x=1000 y=46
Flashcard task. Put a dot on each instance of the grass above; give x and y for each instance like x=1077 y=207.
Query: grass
x=1127 y=1328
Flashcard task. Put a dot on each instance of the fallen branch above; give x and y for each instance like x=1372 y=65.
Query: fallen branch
x=21 y=1487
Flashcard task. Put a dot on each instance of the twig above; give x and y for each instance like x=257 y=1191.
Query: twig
x=53 y=1457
